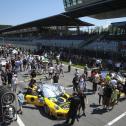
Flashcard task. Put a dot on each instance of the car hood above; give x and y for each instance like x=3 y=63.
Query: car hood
x=60 y=101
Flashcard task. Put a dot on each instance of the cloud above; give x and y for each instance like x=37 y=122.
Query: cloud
x=107 y=23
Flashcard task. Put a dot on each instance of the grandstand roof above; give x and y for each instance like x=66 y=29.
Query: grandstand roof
x=56 y=20
x=101 y=10
x=119 y=24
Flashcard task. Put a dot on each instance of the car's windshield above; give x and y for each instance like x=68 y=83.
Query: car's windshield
x=52 y=91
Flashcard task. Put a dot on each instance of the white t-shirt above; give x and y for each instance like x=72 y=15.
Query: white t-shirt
x=51 y=69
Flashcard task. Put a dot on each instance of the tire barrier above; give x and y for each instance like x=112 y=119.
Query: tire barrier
x=8 y=112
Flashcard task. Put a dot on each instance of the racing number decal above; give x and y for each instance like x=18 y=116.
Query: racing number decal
x=32 y=99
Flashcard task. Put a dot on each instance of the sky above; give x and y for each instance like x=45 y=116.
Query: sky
x=14 y=12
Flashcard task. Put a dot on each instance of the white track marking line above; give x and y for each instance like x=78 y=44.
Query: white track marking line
x=116 y=119
x=19 y=121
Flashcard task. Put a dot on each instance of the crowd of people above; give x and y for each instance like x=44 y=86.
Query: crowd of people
x=108 y=87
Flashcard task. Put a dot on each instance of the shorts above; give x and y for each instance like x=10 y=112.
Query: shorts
x=20 y=104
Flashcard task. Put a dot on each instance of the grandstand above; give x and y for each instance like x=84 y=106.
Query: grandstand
x=50 y=31
x=100 y=9
x=112 y=40
x=57 y=31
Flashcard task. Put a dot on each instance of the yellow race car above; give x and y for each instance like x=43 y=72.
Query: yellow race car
x=52 y=97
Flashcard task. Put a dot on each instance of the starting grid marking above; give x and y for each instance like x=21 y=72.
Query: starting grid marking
x=116 y=119
x=19 y=121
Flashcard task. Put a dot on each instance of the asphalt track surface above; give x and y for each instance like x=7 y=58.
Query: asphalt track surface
x=95 y=115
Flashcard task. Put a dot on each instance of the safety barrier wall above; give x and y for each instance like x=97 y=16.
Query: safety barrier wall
x=103 y=46
x=57 y=43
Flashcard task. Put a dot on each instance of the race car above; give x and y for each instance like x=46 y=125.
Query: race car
x=52 y=97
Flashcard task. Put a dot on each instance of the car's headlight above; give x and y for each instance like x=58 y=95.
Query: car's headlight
x=56 y=107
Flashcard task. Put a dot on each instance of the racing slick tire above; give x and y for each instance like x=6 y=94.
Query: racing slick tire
x=48 y=113
x=47 y=110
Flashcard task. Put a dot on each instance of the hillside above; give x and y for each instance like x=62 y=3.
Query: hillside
x=4 y=26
